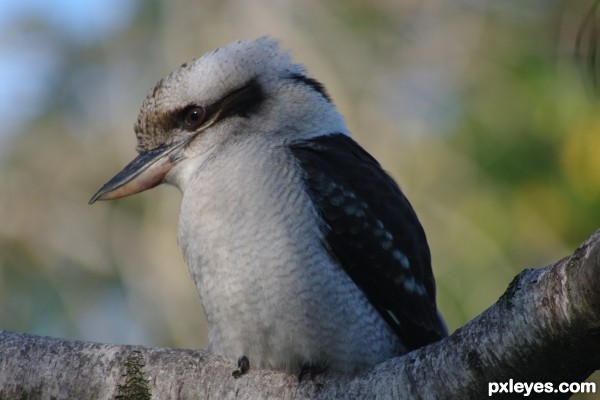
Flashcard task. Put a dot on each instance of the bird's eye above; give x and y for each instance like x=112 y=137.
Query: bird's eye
x=194 y=116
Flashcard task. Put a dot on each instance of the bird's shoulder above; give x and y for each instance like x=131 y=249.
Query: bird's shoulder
x=372 y=231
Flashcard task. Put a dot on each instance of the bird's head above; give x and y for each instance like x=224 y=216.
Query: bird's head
x=246 y=89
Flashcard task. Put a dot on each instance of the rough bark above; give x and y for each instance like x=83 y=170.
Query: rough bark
x=544 y=328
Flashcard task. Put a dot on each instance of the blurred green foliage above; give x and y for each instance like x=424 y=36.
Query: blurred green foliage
x=479 y=110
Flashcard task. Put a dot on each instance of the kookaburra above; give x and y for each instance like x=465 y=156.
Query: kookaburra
x=305 y=252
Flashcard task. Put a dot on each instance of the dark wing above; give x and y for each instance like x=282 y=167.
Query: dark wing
x=372 y=230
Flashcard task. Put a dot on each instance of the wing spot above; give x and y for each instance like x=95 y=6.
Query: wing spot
x=401 y=258
x=336 y=200
x=393 y=316
x=354 y=209
x=328 y=188
x=379 y=229
x=349 y=194
x=412 y=286
x=387 y=244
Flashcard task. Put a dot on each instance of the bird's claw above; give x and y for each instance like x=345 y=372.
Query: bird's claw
x=243 y=367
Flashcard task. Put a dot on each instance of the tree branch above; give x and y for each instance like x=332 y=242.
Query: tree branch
x=544 y=328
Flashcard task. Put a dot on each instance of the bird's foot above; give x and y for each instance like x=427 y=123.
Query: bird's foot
x=310 y=371
x=243 y=367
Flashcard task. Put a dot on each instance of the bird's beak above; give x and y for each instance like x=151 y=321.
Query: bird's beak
x=146 y=171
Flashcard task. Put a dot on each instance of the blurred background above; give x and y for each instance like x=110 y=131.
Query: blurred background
x=483 y=111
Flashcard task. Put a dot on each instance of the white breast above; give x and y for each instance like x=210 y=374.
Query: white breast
x=270 y=290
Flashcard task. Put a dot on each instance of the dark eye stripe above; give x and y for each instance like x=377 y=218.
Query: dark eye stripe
x=242 y=102
x=313 y=83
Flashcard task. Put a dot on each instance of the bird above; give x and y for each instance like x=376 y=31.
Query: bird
x=306 y=254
